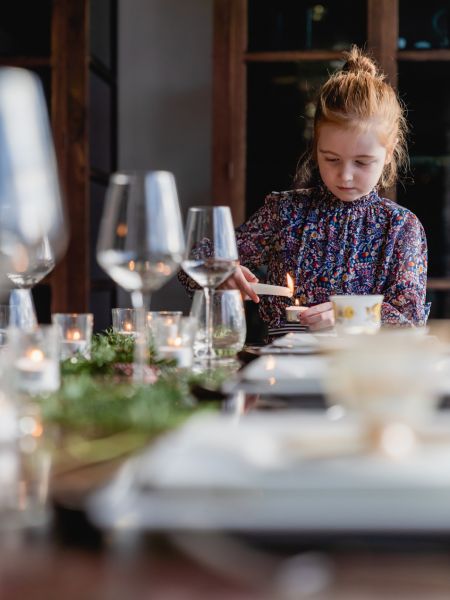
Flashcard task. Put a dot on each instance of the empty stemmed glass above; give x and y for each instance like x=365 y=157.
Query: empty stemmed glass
x=33 y=232
x=141 y=241
x=211 y=256
x=28 y=267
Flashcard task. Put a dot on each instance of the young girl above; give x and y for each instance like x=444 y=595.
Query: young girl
x=336 y=235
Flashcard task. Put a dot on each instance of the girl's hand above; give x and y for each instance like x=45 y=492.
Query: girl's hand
x=320 y=316
x=240 y=280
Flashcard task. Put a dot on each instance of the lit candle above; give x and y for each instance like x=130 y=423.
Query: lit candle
x=73 y=343
x=127 y=329
x=174 y=350
x=293 y=312
x=36 y=373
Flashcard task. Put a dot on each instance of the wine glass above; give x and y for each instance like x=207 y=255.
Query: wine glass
x=229 y=326
x=141 y=241
x=28 y=267
x=33 y=232
x=211 y=256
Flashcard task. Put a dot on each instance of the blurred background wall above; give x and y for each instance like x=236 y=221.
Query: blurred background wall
x=165 y=101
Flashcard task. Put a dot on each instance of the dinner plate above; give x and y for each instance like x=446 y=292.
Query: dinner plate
x=281 y=374
x=288 y=472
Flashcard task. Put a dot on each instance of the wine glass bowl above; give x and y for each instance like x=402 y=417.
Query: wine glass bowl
x=141 y=241
x=33 y=231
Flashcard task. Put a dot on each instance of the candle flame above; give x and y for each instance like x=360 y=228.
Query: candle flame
x=73 y=335
x=296 y=302
x=290 y=283
x=174 y=341
x=35 y=355
x=128 y=326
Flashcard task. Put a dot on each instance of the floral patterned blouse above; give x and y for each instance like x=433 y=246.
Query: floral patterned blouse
x=368 y=246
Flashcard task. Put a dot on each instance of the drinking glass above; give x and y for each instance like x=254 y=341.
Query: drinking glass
x=27 y=269
x=141 y=242
x=211 y=256
x=33 y=231
x=229 y=326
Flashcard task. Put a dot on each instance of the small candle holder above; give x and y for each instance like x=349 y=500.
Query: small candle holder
x=174 y=341
x=293 y=312
x=35 y=359
x=124 y=321
x=75 y=333
x=165 y=318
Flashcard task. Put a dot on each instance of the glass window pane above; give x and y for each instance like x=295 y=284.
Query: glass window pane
x=25 y=28
x=299 y=25
x=424 y=25
x=280 y=113
x=100 y=123
x=428 y=195
x=97 y=200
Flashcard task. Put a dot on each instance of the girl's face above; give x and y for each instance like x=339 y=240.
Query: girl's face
x=350 y=160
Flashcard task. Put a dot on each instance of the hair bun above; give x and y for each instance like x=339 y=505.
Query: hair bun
x=357 y=61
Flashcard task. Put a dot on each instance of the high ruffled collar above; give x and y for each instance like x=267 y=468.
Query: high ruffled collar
x=335 y=202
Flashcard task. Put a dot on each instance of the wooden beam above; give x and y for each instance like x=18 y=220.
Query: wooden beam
x=424 y=55
x=229 y=105
x=70 y=280
x=382 y=35
x=292 y=56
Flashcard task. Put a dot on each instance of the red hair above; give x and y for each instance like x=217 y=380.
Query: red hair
x=359 y=96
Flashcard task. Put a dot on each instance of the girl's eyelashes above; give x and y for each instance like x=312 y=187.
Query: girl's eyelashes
x=360 y=163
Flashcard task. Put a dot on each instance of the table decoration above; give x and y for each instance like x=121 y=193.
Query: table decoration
x=100 y=413
x=293 y=312
x=34 y=356
x=175 y=340
x=75 y=333
x=124 y=321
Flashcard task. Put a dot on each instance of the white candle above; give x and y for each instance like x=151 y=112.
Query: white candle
x=73 y=343
x=173 y=350
x=293 y=313
x=36 y=374
x=271 y=290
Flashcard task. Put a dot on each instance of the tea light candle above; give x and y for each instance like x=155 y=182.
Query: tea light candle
x=174 y=350
x=36 y=373
x=127 y=329
x=73 y=343
x=271 y=290
x=293 y=312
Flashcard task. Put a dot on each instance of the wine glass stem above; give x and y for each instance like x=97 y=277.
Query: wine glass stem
x=209 y=292
x=24 y=314
x=141 y=302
